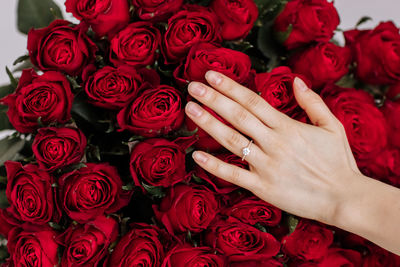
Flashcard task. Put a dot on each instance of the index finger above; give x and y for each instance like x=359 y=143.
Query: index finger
x=247 y=98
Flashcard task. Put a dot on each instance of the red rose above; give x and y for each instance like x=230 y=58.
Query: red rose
x=270 y=262
x=87 y=245
x=391 y=111
x=92 y=191
x=135 y=45
x=364 y=123
x=220 y=185
x=155 y=112
x=321 y=64
x=191 y=25
x=5 y=226
x=141 y=246
x=309 y=241
x=276 y=87
x=393 y=92
x=204 y=56
x=31 y=195
x=237 y=17
x=105 y=17
x=62 y=47
x=55 y=148
x=205 y=141
x=377 y=53
x=187 y=256
x=307 y=21
x=115 y=88
x=384 y=165
x=337 y=257
x=241 y=242
x=252 y=210
x=32 y=248
x=160 y=162
x=379 y=257
x=187 y=208
x=47 y=98
x=156 y=10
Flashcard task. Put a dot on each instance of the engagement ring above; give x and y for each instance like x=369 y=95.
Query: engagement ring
x=246 y=150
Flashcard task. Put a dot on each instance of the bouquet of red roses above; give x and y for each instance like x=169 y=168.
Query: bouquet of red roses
x=99 y=170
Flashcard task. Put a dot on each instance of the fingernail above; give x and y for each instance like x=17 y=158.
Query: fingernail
x=193 y=109
x=200 y=157
x=213 y=77
x=196 y=89
x=300 y=84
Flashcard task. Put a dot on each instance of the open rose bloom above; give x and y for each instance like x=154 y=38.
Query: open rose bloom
x=100 y=173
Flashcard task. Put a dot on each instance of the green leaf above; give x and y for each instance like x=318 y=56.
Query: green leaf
x=13 y=81
x=86 y=115
x=268 y=46
x=3 y=199
x=6 y=90
x=260 y=227
x=281 y=37
x=21 y=59
x=128 y=187
x=155 y=191
x=9 y=147
x=36 y=14
x=55 y=226
x=292 y=223
x=363 y=20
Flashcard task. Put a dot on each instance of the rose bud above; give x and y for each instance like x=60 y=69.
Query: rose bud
x=141 y=246
x=337 y=257
x=33 y=248
x=105 y=17
x=187 y=208
x=236 y=17
x=55 y=148
x=220 y=185
x=391 y=111
x=241 y=242
x=191 y=25
x=62 y=47
x=135 y=45
x=92 y=191
x=252 y=210
x=309 y=241
x=159 y=162
x=306 y=21
x=115 y=88
x=321 y=64
x=204 y=56
x=185 y=255
x=364 y=123
x=155 y=112
x=87 y=244
x=47 y=98
x=376 y=53
x=31 y=195
x=276 y=87
x=156 y=11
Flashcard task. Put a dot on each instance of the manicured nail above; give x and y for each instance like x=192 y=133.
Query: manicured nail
x=200 y=157
x=193 y=109
x=196 y=89
x=300 y=84
x=213 y=77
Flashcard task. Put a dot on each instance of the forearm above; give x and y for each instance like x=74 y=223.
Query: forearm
x=371 y=209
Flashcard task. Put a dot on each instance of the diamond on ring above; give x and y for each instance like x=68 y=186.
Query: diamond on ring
x=246 y=150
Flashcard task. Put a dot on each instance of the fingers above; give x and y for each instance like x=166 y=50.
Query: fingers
x=223 y=134
x=231 y=111
x=313 y=105
x=226 y=171
x=247 y=98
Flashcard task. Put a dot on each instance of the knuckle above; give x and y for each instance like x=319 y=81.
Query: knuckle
x=235 y=176
x=241 y=115
x=212 y=97
x=233 y=139
x=253 y=100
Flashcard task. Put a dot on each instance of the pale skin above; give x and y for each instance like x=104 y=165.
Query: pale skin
x=307 y=170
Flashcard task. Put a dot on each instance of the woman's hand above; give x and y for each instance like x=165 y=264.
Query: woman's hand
x=303 y=169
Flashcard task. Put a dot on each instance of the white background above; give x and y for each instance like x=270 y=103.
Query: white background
x=13 y=44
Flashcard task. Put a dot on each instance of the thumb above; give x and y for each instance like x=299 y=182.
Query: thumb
x=313 y=105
